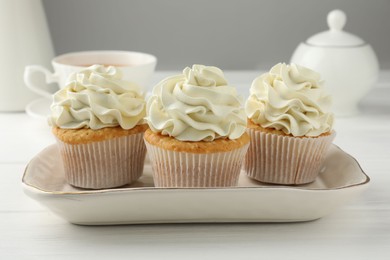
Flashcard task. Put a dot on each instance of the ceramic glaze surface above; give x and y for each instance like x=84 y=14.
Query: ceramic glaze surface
x=348 y=73
x=340 y=180
x=348 y=66
x=25 y=39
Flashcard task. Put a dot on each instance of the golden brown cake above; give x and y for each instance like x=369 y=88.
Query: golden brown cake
x=253 y=126
x=219 y=145
x=87 y=135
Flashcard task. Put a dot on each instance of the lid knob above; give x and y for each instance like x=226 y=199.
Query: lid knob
x=335 y=36
x=336 y=20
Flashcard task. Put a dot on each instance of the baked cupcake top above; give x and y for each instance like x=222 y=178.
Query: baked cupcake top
x=197 y=105
x=96 y=98
x=290 y=98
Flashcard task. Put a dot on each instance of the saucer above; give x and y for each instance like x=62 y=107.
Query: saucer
x=340 y=180
x=39 y=108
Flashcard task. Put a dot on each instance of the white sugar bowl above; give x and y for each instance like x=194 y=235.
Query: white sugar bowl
x=347 y=64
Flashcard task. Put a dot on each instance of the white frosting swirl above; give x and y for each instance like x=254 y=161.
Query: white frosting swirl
x=196 y=105
x=290 y=98
x=97 y=97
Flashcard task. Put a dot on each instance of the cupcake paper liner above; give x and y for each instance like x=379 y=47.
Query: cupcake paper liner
x=278 y=159
x=181 y=169
x=104 y=164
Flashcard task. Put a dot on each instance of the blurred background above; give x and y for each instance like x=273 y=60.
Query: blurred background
x=234 y=35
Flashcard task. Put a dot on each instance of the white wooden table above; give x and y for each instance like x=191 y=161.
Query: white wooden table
x=359 y=230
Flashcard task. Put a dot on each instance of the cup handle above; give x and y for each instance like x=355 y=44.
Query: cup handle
x=28 y=76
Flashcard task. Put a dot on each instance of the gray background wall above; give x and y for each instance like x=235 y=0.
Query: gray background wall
x=237 y=34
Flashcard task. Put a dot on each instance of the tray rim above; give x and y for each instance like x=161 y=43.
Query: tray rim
x=298 y=188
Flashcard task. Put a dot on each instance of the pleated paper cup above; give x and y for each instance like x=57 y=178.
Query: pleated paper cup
x=104 y=164
x=183 y=169
x=279 y=159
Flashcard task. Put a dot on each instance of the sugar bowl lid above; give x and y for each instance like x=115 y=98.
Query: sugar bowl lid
x=335 y=36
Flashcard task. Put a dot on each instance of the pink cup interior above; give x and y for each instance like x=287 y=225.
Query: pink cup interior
x=117 y=58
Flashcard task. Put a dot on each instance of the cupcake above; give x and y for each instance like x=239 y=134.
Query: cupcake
x=290 y=125
x=98 y=122
x=197 y=130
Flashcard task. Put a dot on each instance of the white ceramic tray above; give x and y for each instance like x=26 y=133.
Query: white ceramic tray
x=340 y=180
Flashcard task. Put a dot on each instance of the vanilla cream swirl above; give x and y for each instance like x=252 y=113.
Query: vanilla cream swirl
x=196 y=105
x=97 y=97
x=290 y=98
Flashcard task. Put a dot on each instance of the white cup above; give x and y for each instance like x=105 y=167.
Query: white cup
x=136 y=67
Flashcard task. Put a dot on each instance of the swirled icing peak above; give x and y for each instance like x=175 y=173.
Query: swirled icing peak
x=290 y=98
x=196 y=105
x=97 y=97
